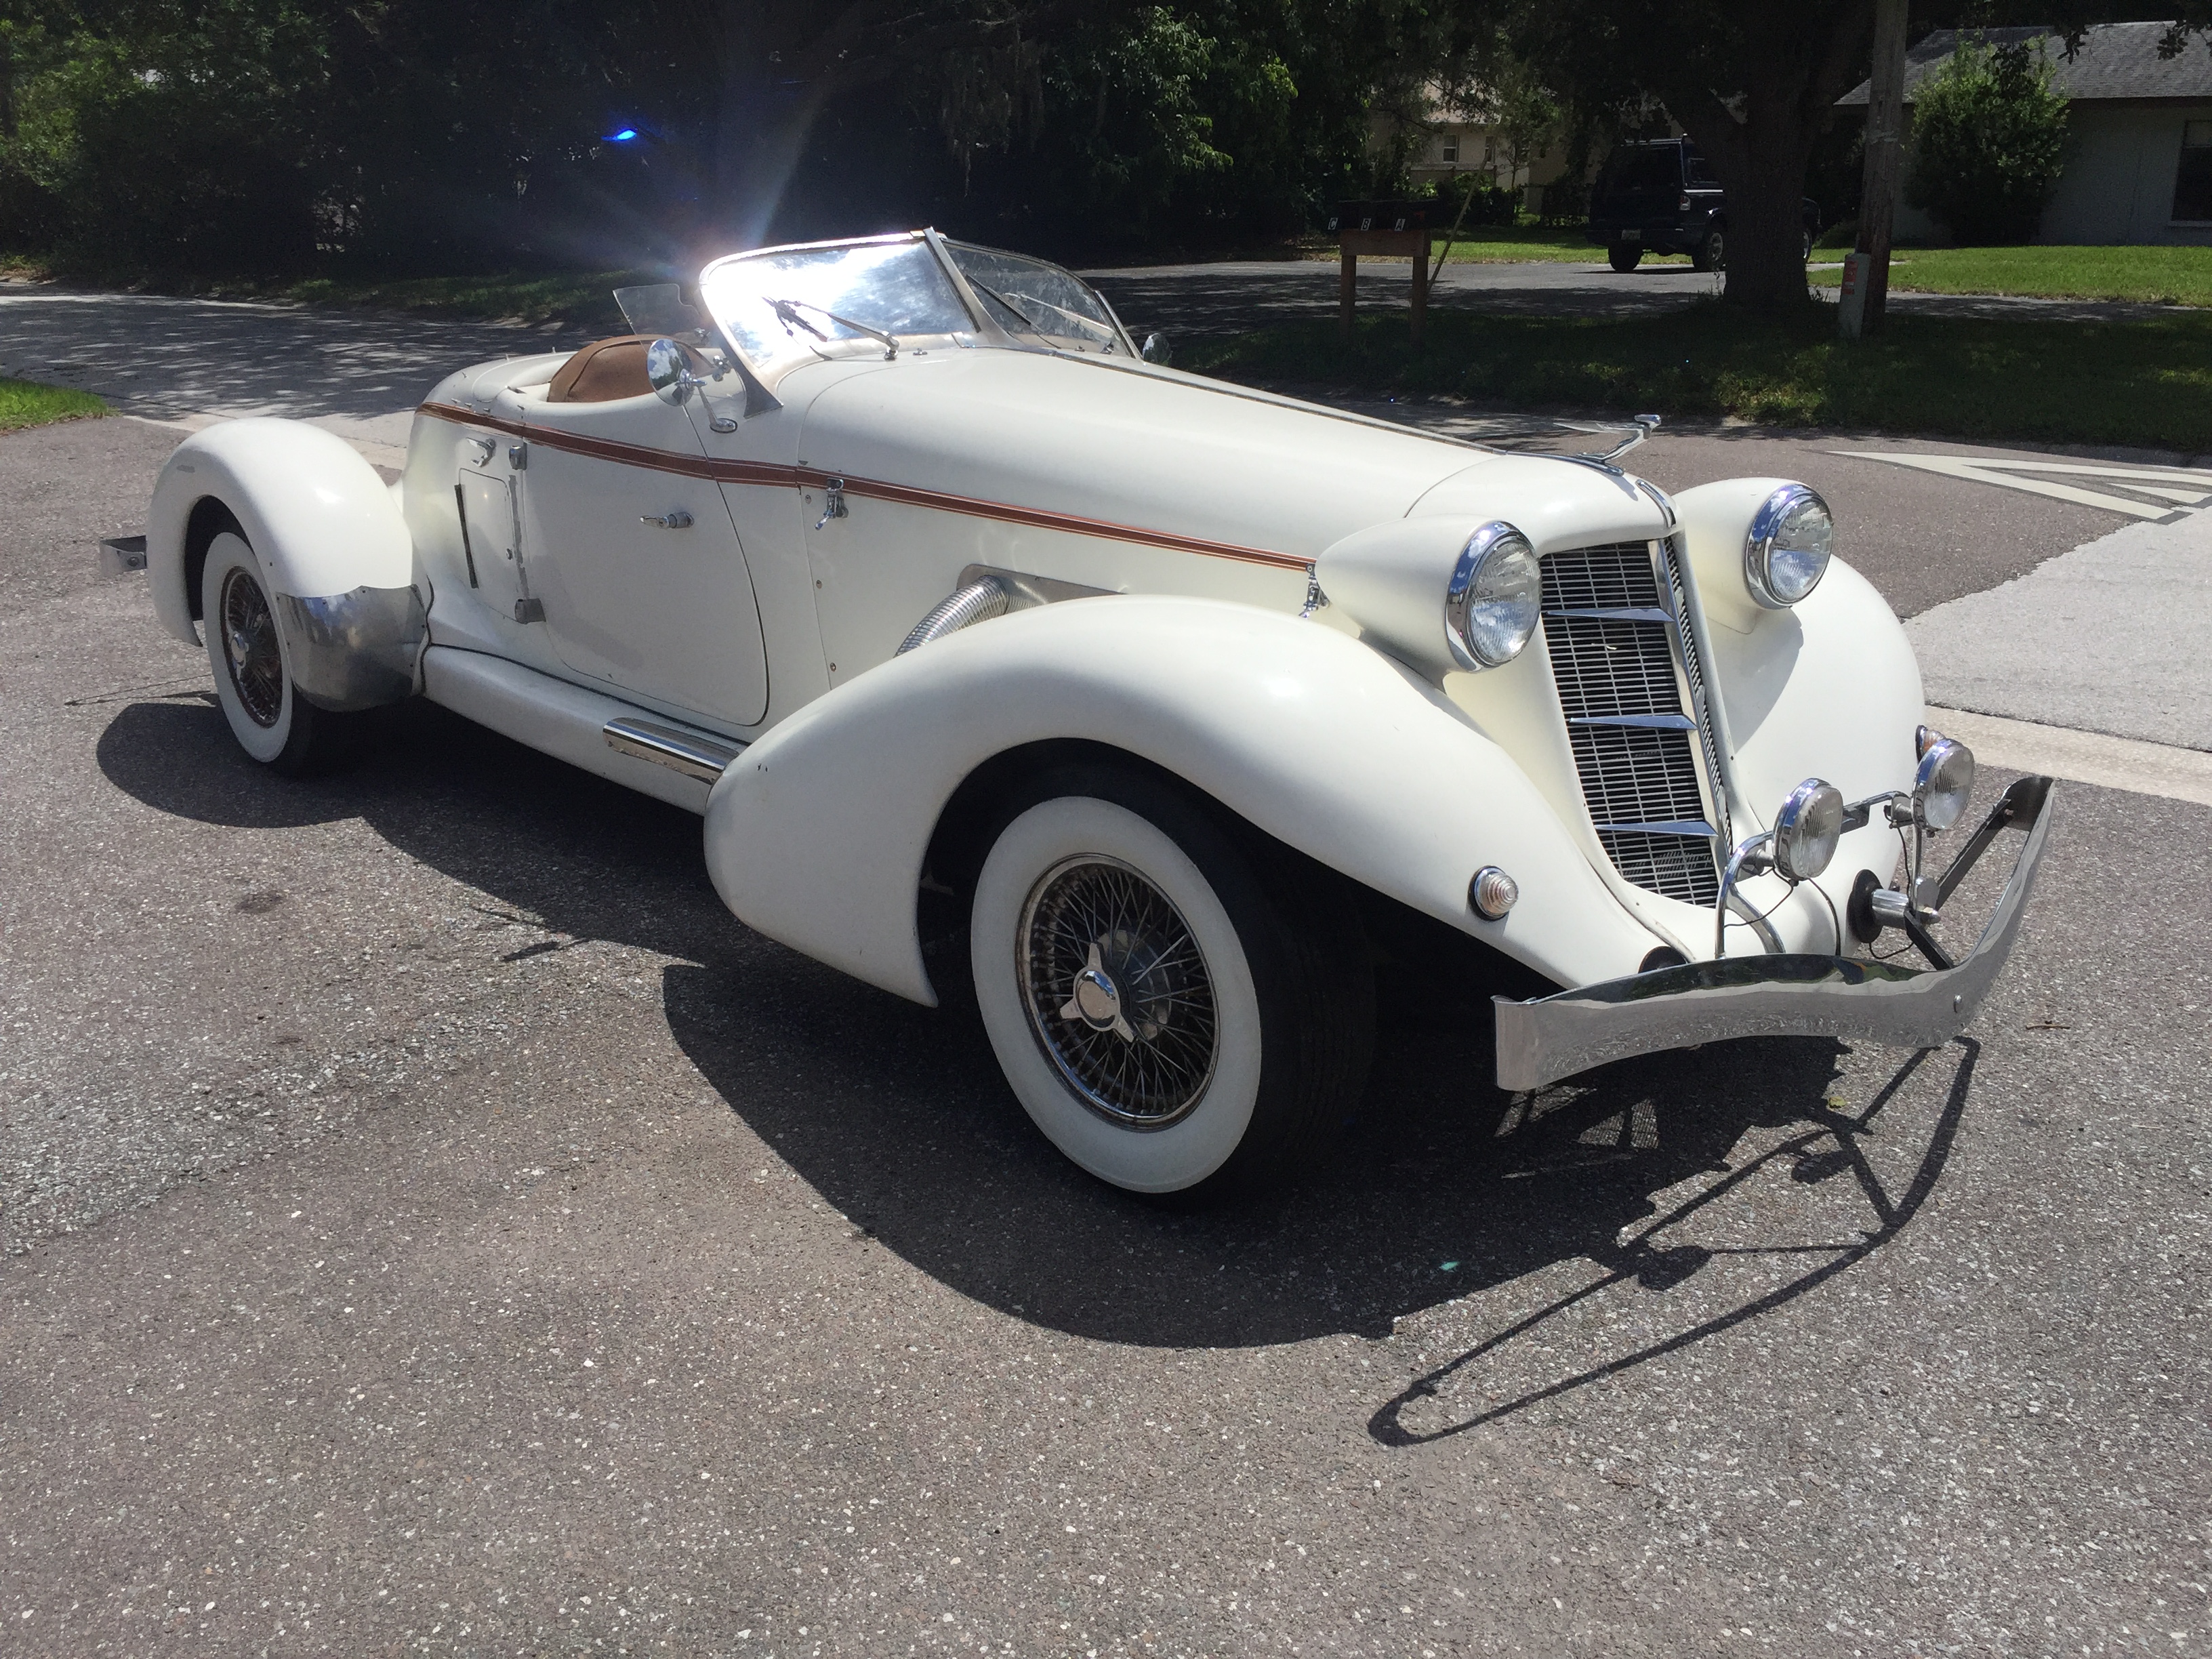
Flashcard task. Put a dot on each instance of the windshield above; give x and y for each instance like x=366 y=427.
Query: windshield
x=1027 y=296
x=1636 y=167
x=779 y=308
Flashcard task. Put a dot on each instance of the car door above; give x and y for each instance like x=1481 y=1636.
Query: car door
x=636 y=560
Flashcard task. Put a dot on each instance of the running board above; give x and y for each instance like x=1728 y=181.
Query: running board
x=570 y=722
x=691 y=753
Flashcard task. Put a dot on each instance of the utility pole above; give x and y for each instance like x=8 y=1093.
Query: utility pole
x=1866 y=276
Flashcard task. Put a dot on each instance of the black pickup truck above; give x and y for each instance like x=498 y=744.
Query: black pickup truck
x=1661 y=197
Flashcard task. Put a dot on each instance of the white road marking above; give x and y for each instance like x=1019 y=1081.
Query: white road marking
x=2148 y=769
x=2161 y=480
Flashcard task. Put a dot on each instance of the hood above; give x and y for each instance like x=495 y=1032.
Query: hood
x=1149 y=448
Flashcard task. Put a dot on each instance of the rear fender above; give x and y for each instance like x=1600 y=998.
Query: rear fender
x=816 y=834
x=333 y=548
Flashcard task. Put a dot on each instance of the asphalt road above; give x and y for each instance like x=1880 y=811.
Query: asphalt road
x=436 y=1226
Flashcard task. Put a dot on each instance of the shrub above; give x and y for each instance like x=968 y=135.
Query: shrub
x=1988 y=140
x=1487 y=203
x=1563 y=202
x=1845 y=234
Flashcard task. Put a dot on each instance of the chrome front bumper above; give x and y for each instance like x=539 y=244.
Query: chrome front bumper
x=1555 y=1036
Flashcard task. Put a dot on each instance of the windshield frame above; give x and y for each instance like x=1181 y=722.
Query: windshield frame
x=984 y=328
x=1117 y=336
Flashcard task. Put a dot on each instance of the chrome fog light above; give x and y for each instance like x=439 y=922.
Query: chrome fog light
x=1808 y=828
x=1496 y=594
x=1787 y=552
x=1492 y=893
x=1944 y=783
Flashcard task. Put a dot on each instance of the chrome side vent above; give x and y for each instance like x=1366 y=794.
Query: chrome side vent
x=1632 y=694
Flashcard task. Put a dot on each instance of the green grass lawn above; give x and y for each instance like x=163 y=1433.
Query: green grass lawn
x=26 y=403
x=2146 y=383
x=1493 y=245
x=2163 y=276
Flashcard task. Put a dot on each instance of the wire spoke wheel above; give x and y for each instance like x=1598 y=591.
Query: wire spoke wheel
x=249 y=650
x=1118 y=992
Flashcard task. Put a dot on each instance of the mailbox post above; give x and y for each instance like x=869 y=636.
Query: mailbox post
x=1385 y=230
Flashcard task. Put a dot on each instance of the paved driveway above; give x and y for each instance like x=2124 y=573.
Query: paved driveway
x=359 y=372
x=438 y=1227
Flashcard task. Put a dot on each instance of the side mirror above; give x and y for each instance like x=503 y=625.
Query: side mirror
x=671 y=374
x=1157 y=349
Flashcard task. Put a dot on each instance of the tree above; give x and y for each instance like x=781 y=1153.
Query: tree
x=1989 y=139
x=1753 y=83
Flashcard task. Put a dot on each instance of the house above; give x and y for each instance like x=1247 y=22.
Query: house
x=1449 y=141
x=2139 y=163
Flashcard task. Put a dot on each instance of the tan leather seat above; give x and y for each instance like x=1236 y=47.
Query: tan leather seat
x=602 y=372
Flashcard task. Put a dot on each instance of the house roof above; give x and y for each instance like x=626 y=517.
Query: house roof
x=2117 y=61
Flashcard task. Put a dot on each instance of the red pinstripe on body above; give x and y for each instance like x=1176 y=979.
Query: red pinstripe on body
x=762 y=473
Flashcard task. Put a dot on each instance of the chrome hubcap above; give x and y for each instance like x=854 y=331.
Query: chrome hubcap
x=1097 y=999
x=249 y=650
x=1118 y=992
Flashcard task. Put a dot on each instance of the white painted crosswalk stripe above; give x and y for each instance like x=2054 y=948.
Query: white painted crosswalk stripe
x=2188 y=487
x=2148 y=769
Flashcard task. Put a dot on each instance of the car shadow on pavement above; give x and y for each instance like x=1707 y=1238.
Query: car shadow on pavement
x=1439 y=1190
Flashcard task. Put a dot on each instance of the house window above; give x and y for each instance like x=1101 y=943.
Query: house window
x=2192 y=180
x=1451 y=149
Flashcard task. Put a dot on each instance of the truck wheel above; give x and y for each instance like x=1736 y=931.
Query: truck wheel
x=1712 y=251
x=1161 y=1017
x=1624 y=258
x=270 y=719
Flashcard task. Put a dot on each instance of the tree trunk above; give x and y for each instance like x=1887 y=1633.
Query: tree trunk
x=1761 y=160
x=1798 y=60
x=1885 y=149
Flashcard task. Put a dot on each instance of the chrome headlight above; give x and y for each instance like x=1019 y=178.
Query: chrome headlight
x=1786 y=553
x=1496 y=594
x=1808 y=828
x=1944 y=782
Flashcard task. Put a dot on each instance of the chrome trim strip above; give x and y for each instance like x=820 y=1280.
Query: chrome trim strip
x=1641 y=722
x=1697 y=688
x=1542 y=1040
x=692 y=753
x=1688 y=828
x=355 y=650
x=1715 y=711
x=1618 y=613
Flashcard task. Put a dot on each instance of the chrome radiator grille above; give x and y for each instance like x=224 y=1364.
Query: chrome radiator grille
x=1621 y=666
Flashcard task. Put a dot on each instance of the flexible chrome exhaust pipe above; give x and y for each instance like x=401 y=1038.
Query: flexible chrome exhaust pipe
x=979 y=601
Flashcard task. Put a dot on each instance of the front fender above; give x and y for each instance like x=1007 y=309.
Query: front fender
x=333 y=548
x=816 y=834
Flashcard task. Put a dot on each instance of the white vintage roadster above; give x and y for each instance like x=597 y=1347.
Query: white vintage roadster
x=1004 y=663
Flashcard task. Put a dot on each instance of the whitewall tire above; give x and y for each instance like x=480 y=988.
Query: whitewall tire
x=1162 y=1019
x=252 y=664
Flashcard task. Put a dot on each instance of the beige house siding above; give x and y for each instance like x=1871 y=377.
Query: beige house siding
x=2117 y=186
x=1453 y=144
x=1458 y=147
x=2118 y=182
x=2127 y=108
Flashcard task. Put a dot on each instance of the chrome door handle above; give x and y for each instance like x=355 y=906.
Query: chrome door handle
x=679 y=519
